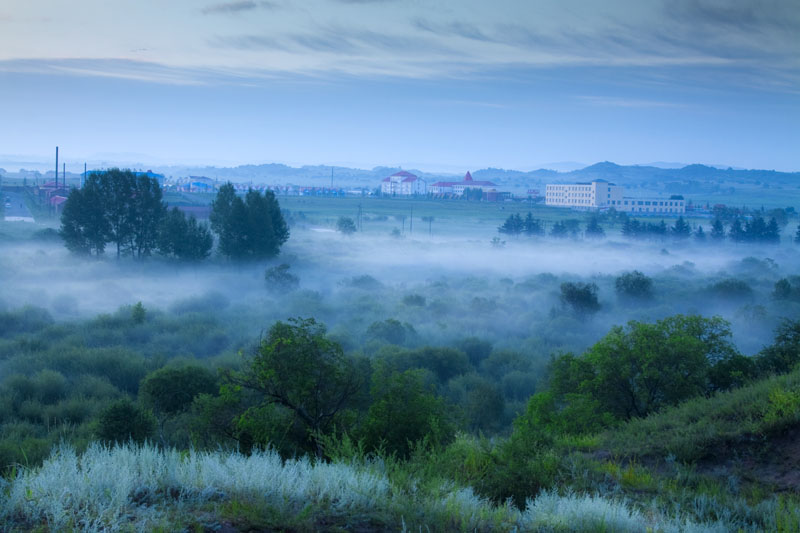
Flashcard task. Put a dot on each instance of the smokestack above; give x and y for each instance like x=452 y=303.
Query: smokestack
x=56 y=167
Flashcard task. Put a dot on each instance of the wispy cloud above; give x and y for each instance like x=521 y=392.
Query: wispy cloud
x=612 y=101
x=237 y=7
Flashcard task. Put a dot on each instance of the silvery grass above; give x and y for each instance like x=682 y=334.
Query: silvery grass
x=138 y=488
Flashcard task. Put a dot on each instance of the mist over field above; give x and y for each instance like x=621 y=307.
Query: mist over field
x=469 y=287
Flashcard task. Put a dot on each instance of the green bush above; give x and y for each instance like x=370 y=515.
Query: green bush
x=124 y=421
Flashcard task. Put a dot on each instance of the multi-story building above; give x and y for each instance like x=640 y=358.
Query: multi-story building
x=403 y=184
x=457 y=188
x=600 y=194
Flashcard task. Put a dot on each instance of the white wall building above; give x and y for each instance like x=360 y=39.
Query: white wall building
x=601 y=194
x=403 y=184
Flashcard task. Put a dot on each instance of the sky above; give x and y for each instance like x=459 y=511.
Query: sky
x=445 y=85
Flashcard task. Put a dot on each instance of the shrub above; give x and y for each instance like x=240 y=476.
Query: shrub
x=124 y=421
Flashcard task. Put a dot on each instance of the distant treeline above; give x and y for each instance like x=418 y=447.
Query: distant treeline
x=752 y=230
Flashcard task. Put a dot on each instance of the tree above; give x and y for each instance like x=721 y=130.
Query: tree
x=580 y=297
x=512 y=226
x=115 y=206
x=123 y=421
x=636 y=370
x=700 y=235
x=772 y=233
x=737 y=233
x=797 y=235
x=280 y=280
x=634 y=286
x=681 y=229
x=559 y=230
x=84 y=227
x=298 y=368
x=594 y=230
x=184 y=238
x=532 y=226
x=249 y=228
x=146 y=210
x=784 y=354
x=169 y=391
x=404 y=412
x=345 y=225
x=717 y=230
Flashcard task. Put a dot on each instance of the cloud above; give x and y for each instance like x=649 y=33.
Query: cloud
x=237 y=7
x=612 y=101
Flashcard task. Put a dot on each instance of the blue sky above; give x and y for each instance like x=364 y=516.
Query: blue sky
x=444 y=85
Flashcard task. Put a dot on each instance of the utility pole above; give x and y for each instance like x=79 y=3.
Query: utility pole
x=56 y=167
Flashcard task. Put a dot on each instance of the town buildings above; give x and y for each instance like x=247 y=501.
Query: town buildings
x=600 y=194
x=457 y=188
x=403 y=184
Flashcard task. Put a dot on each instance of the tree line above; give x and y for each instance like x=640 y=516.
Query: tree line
x=752 y=230
x=120 y=208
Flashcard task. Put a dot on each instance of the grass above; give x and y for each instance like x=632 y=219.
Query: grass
x=701 y=426
x=130 y=488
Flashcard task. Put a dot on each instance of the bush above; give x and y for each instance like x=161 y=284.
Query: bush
x=124 y=421
x=280 y=280
x=171 y=390
x=580 y=297
x=634 y=286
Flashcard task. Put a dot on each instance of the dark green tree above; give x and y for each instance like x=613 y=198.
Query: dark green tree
x=513 y=225
x=772 y=233
x=639 y=369
x=681 y=229
x=298 y=368
x=168 y=391
x=280 y=280
x=84 y=226
x=700 y=235
x=559 y=230
x=634 y=286
x=249 y=228
x=717 y=230
x=122 y=421
x=184 y=238
x=404 y=411
x=532 y=226
x=345 y=226
x=737 y=233
x=594 y=230
x=580 y=297
x=146 y=209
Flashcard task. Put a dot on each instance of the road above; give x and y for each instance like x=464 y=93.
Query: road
x=15 y=207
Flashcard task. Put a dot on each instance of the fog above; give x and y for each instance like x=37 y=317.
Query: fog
x=508 y=295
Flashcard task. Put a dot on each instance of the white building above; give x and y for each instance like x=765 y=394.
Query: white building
x=457 y=188
x=600 y=194
x=403 y=184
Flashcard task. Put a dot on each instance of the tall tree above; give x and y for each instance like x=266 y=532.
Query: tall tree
x=146 y=211
x=700 y=235
x=298 y=368
x=249 y=228
x=184 y=238
x=681 y=229
x=737 y=233
x=84 y=227
x=594 y=230
x=717 y=230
